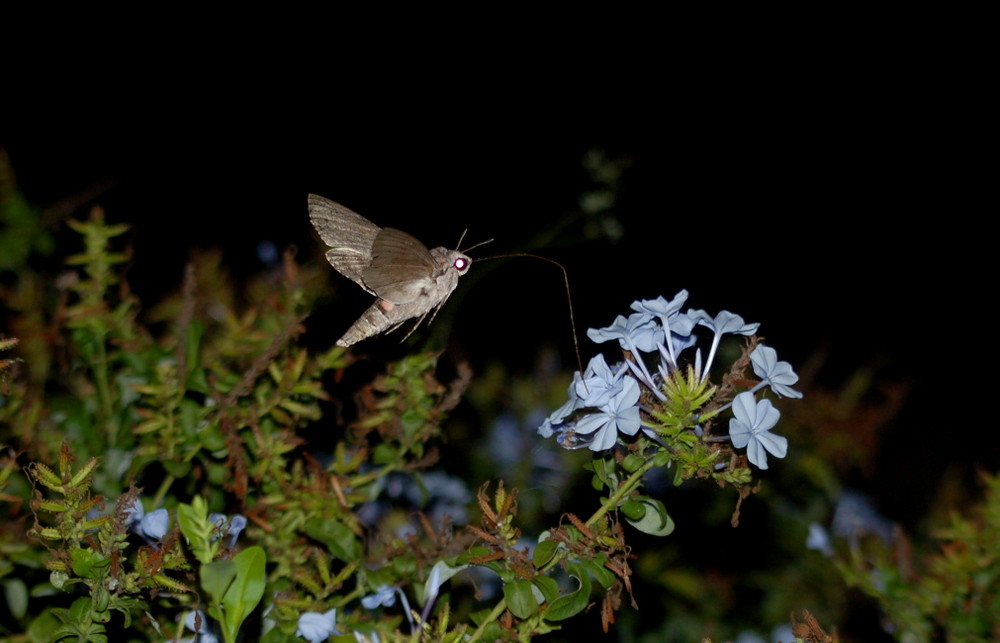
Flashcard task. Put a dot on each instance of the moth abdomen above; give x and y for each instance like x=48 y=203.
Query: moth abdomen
x=382 y=317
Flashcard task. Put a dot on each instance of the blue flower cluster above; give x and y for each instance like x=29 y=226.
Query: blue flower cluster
x=605 y=401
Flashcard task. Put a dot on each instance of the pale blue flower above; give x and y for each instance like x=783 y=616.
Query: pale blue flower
x=506 y=442
x=751 y=428
x=206 y=630
x=600 y=382
x=637 y=332
x=660 y=307
x=619 y=415
x=723 y=323
x=819 y=540
x=438 y=485
x=673 y=322
x=384 y=596
x=153 y=526
x=236 y=526
x=316 y=627
x=224 y=525
x=268 y=252
x=856 y=516
x=782 y=633
x=440 y=494
x=683 y=341
x=779 y=375
x=551 y=424
x=133 y=512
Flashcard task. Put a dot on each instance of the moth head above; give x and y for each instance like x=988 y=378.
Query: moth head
x=461 y=261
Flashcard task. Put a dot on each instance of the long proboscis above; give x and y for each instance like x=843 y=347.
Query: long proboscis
x=569 y=298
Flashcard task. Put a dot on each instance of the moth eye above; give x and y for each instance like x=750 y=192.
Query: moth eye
x=461 y=263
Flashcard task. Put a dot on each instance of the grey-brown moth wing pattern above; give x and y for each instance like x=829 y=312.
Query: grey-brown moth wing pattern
x=401 y=267
x=349 y=235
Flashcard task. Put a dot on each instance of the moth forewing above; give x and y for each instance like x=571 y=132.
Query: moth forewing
x=401 y=267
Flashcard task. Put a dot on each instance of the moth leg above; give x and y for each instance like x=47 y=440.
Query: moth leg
x=386 y=306
x=415 y=326
x=433 y=312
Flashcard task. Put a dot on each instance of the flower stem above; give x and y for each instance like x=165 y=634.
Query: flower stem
x=623 y=490
x=104 y=387
x=494 y=615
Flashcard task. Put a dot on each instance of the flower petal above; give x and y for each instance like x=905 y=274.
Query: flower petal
x=776 y=445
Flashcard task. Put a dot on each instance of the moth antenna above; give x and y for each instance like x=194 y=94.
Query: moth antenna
x=569 y=299
x=460 y=239
x=481 y=243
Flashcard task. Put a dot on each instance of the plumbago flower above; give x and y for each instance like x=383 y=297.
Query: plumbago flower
x=315 y=627
x=207 y=630
x=152 y=526
x=778 y=375
x=620 y=414
x=224 y=525
x=662 y=403
x=751 y=428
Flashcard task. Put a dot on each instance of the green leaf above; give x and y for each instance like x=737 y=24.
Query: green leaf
x=573 y=603
x=384 y=454
x=216 y=577
x=87 y=563
x=336 y=536
x=632 y=462
x=17 y=597
x=547 y=586
x=634 y=509
x=192 y=346
x=246 y=591
x=196 y=527
x=655 y=521
x=544 y=552
x=602 y=473
x=44 y=627
x=520 y=598
x=601 y=574
x=79 y=611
